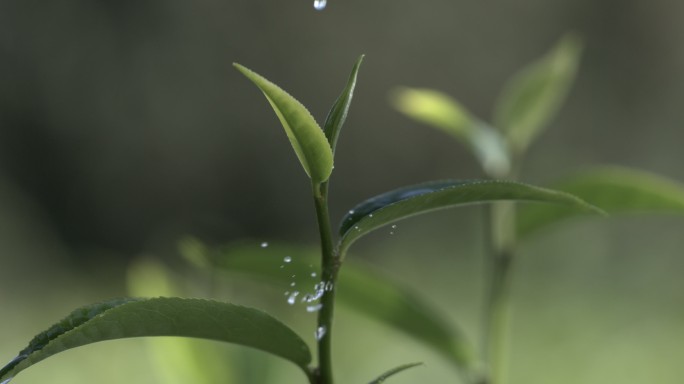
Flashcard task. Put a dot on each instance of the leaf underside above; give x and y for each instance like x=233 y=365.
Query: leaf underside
x=422 y=198
x=616 y=190
x=194 y=318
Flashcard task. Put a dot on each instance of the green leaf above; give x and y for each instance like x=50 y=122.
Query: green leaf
x=394 y=371
x=533 y=96
x=391 y=303
x=446 y=114
x=338 y=113
x=414 y=200
x=195 y=318
x=306 y=137
x=616 y=190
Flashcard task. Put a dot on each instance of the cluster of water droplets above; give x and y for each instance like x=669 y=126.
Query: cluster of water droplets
x=311 y=299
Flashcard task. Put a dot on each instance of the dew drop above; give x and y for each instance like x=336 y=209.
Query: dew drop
x=351 y=211
x=263 y=245
x=371 y=215
x=287 y=259
x=314 y=308
x=292 y=298
x=394 y=226
x=313 y=274
x=319 y=5
x=320 y=332
x=286 y=294
x=292 y=284
x=329 y=286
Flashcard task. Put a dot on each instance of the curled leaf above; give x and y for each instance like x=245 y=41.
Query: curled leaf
x=338 y=113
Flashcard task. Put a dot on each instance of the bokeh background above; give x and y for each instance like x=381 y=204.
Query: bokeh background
x=123 y=127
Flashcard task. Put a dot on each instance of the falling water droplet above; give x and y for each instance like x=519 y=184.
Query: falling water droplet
x=320 y=332
x=320 y=4
x=292 y=298
x=314 y=308
x=263 y=245
x=287 y=259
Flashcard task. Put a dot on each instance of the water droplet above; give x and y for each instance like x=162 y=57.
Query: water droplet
x=263 y=245
x=371 y=215
x=293 y=276
x=394 y=226
x=313 y=274
x=282 y=266
x=292 y=298
x=320 y=332
x=287 y=259
x=329 y=286
x=319 y=5
x=314 y=308
x=351 y=211
x=292 y=284
x=287 y=293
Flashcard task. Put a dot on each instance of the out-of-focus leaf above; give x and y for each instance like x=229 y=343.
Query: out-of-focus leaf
x=177 y=360
x=126 y=318
x=533 y=96
x=306 y=137
x=394 y=371
x=616 y=190
x=414 y=200
x=338 y=113
x=446 y=114
x=390 y=302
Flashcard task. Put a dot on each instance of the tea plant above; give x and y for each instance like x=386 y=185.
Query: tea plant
x=315 y=147
x=527 y=104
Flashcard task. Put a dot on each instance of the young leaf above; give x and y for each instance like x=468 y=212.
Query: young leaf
x=394 y=371
x=444 y=113
x=391 y=302
x=195 y=318
x=338 y=113
x=306 y=137
x=532 y=97
x=409 y=201
x=616 y=190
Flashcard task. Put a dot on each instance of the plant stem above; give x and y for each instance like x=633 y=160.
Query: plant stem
x=501 y=244
x=329 y=269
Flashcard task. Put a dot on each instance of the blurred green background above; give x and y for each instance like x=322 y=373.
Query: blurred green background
x=123 y=126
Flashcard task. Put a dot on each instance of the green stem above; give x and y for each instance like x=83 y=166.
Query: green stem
x=501 y=244
x=329 y=269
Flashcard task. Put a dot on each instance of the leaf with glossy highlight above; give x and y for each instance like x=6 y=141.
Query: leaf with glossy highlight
x=533 y=96
x=195 y=318
x=306 y=137
x=394 y=371
x=616 y=190
x=391 y=303
x=422 y=198
x=448 y=115
x=338 y=113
